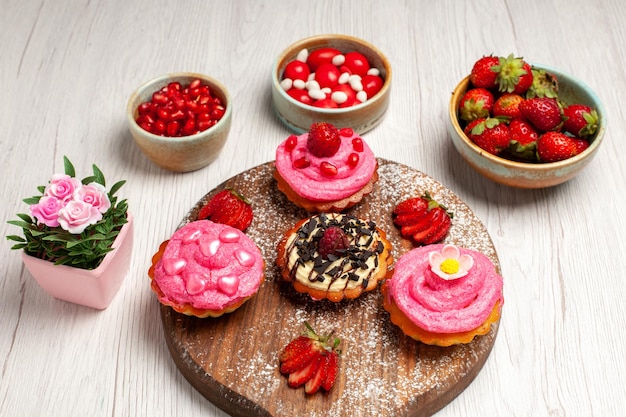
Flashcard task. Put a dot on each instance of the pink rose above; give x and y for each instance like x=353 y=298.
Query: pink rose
x=94 y=194
x=62 y=187
x=77 y=215
x=47 y=210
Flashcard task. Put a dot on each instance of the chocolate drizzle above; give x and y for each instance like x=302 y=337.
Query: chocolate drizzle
x=356 y=263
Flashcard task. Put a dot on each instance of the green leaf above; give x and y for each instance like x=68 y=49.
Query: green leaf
x=99 y=176
x=16 y=238
x=32 y=200
x=116 y=187
x=69 y=168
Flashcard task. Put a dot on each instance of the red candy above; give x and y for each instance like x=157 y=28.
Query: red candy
x=176 y=110
x=329 y=79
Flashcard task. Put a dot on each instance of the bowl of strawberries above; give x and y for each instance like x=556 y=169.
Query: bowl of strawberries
x=331 y=78
x=525 y=125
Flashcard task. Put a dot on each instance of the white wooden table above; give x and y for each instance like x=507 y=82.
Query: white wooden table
x=67 y=69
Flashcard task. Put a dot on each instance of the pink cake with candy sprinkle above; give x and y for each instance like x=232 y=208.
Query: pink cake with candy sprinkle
x=206 y=269
x=444 y=295
x=325 y=169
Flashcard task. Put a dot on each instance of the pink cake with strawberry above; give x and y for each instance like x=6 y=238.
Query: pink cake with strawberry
x=326 y=169
x=443 y=295
x=206 y=269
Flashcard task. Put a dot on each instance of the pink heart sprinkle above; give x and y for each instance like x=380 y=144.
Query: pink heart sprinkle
x=228 y=285
x=173 y=266
x=209 y=247
x=192 y=236
x=244 y=257
x=195 y=284
x=229 y=236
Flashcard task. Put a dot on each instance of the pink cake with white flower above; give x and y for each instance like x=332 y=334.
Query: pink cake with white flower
x=326 y=169
x=444 y=295
x=206 y=269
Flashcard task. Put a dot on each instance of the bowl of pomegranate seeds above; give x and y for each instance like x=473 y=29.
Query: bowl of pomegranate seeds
x=525 y=125
x=337 y=79
x=180 y=121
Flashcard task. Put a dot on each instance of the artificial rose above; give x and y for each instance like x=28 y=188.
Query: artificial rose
x=77 y=215
x=47 y=211
x=62 y=187
x=94 y=194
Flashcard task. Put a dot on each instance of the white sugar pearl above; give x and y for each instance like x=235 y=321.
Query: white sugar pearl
x=338 y=60
x=303 y=55
x=355 y=83
x=312 y=85
x=373 y=71
x=299 y=84
x=286 y=84
x=311 y=76
x=361 y=96
x=317 y=94
x=343 y=78
x=339 y=97
x=326 y=90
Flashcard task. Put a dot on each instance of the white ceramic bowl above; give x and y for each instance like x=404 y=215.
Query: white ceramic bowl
x=186 y=153
x=529 y=175
x=298 y=116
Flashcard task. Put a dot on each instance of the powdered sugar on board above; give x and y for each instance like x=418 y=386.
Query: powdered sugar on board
x=232 y=360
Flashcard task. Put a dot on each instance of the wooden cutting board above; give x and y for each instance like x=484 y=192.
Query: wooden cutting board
x=232 y=360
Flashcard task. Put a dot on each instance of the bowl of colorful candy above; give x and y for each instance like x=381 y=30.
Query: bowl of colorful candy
x=525 y=125
x=338 y=79
x=180 y=121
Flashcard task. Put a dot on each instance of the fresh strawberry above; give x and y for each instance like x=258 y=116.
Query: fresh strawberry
x=311 y=360
x=507 y=105
x=543 y=113
x=555 y=146
x=580 y=120
x=323 y=140
x=422 y=219
x=523 y=140
x=490 y=134
x=333 y=242
x=475 y=103
x=228 y=207
x=482 y=74
x=514 y=75
x=544 y=85
x=581 y=144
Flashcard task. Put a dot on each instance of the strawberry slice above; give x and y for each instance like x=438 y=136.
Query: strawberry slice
x=311 y=360
x=422 y=219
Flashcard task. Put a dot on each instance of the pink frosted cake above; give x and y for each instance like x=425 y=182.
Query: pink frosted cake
x=326 y=169
x=443 y=295
x=206 y=269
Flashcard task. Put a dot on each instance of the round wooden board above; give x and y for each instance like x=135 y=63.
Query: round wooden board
x=232 y=360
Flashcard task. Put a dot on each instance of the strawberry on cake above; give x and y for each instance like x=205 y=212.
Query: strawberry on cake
x=206 y=269
x=443 y=295
x=334 y=256
x=326 y=169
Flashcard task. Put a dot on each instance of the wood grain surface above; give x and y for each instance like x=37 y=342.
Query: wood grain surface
x=232 y=360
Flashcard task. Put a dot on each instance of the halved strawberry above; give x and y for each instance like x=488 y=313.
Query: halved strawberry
x=323 y=140
x=228 y=207
x=428 y=223
x=311 y=360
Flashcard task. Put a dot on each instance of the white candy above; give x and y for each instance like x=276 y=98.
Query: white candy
x=311 y=76
x=338 y=60
x=339 y=97
x=355 y=83
x=286 y=83
x=373 y=71
x=326 y=90
x=343 y=78
x=303 y=55
x=299 y=84
x=317 y=94
x=312 y=85
x=361 y=96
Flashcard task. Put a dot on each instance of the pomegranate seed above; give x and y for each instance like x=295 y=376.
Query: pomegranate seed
x=163 y=114
x=195 y=83
x=353 y=160
x=218 y=112
x=160 y=98
x=158 y=127
x=144 y=108
x=302 y=162
x=291 y=143
x=328 y=169
x=357 y=144
x=177 y=115
x=346 y=131
x=172 y=128
x=189 y=128
x=174 y=86
x=203 y=117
